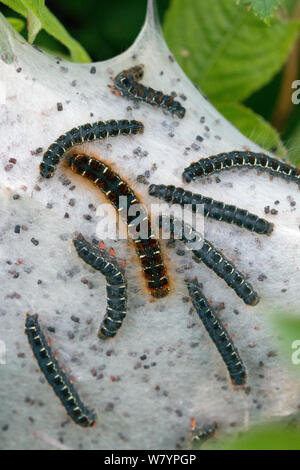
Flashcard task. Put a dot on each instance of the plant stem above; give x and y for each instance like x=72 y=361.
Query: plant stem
x=284 y=104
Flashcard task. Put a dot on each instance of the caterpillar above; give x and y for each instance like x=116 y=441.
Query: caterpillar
x=116 y=287
x=200 y=435
x=111 y=184
x=212 y=258
x=85 y=133
x=218 y=333
x=126 y=84
x=239 y=159
x=214 y=209
x=55 y=376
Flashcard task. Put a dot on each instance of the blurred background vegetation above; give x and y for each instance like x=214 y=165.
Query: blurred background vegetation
x=243 y=54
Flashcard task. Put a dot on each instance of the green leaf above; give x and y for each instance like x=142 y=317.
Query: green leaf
x=16 y=5
x=17 y=23
x=226 y=50
x=253 y=126
x=263 y=8
x=269 y=437
x=39 y=16
x=34 y=26
x=51 y=24
x=294 y=145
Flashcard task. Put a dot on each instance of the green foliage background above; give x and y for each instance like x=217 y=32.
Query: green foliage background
x=235 y=50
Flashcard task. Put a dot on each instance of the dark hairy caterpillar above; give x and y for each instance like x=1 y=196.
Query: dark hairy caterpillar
x=212 y=258
x=55 y=376
x=85 y=133
x=114 y=188
x=126 y=84
x=116 y=287
x=239 y=159
x=218 y=333
x=200 y=435
x=214 y=209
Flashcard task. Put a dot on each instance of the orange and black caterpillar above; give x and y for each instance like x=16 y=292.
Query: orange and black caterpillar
x=126 y=84
x=114 y=188
x=214 y=209
x=218 y=333
x=116 y=287
x=85 y=133
x=55 y=376
x=240 y=159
